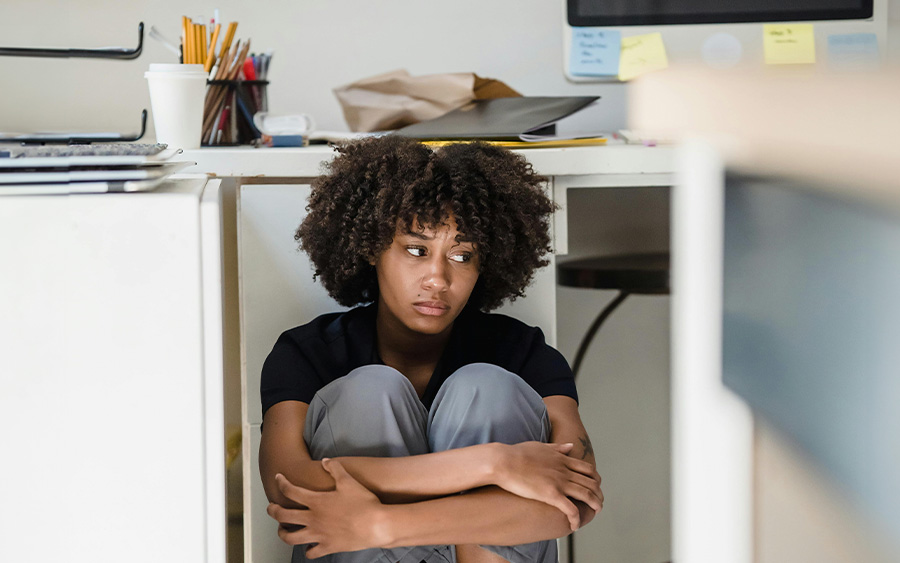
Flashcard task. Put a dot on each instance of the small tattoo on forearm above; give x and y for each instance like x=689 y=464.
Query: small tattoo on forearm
x=587 y=447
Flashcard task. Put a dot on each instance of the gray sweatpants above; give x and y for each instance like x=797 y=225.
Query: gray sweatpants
x=374 y=411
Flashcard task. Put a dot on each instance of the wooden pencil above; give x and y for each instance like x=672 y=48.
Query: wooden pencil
x=219 y=97
x=214 y=89
x=211 y=54
x=221 y=72
x=192 y=41
x=215 y=93
x=203 y=40
x=185 y=40
x=198 y=42
x=229 y=37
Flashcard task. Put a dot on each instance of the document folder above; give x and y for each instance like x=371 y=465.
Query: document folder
x=500 y=119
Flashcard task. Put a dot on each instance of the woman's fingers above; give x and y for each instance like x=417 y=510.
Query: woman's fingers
x=561 y=448
x=293 y=492
x=339 y=473
x=584 y=481
x=565 y=505
x=585 y=495
x=288 y=515
x=316 y=550
x=583 y=467
x=295 y=537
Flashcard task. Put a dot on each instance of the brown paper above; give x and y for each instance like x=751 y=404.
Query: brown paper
x=396 y=99
x=490 y=88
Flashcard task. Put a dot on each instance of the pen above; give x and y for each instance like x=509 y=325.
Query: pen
x=266 y=62
x=155 y=34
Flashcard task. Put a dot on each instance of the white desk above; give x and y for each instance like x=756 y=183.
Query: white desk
x=276 y=287
x=574 y=167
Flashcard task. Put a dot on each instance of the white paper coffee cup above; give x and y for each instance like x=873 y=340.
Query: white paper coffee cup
x=177 y=92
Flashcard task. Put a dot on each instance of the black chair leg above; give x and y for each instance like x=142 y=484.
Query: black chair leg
x=586 y=341
x=579 y=356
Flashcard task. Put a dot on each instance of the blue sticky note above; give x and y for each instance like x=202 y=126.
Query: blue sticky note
x=595 y=51
x=853 y=50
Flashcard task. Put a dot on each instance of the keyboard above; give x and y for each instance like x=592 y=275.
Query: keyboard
x=95 y=168
x=100 y=149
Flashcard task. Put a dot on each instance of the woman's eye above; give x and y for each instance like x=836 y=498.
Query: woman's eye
x=416 y=250
x=465 y=257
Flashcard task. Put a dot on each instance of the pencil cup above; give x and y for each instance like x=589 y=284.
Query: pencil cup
x=229 y=110
x=177 y=92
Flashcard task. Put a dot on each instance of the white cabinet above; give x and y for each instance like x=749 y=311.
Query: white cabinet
x=111 y=375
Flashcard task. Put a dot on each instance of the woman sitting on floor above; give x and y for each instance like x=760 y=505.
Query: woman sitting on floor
x=417 y=427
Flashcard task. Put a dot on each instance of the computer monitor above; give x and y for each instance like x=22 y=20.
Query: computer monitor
x=608 y=13
x=720 y=34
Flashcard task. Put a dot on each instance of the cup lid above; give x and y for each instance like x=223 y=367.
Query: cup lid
x=176 y=68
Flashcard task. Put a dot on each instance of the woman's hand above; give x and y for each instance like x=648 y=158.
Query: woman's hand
x=544 y=472
x=345 y=519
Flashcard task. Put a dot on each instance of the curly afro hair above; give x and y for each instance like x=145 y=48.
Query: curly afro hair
x=376 y=186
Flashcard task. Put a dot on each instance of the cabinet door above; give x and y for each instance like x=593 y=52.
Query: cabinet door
x=276 y=285
x=102 y=416
x=277 y=293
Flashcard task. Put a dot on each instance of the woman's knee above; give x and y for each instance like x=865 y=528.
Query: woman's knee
x=482 y=403
x=373 y=410
x=487 y=380
x=367 y=384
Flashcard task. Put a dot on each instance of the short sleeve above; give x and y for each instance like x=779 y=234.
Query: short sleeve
x=287 y=375
x=546 y=370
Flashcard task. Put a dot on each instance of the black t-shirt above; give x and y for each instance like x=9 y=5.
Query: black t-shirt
x=308 y=357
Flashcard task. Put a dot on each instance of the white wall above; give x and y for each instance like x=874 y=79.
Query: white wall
x=318 y=45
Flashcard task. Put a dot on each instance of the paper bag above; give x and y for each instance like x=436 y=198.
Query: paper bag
x=396 y=99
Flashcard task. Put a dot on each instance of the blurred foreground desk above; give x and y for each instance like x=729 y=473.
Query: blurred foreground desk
x=785 y=313
x=277 y=291
x=111 y=376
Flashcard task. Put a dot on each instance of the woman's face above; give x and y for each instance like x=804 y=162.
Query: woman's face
x=425 y=278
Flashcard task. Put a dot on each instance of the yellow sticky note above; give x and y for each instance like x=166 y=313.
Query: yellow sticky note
x=787 y=44
x=641 y=54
